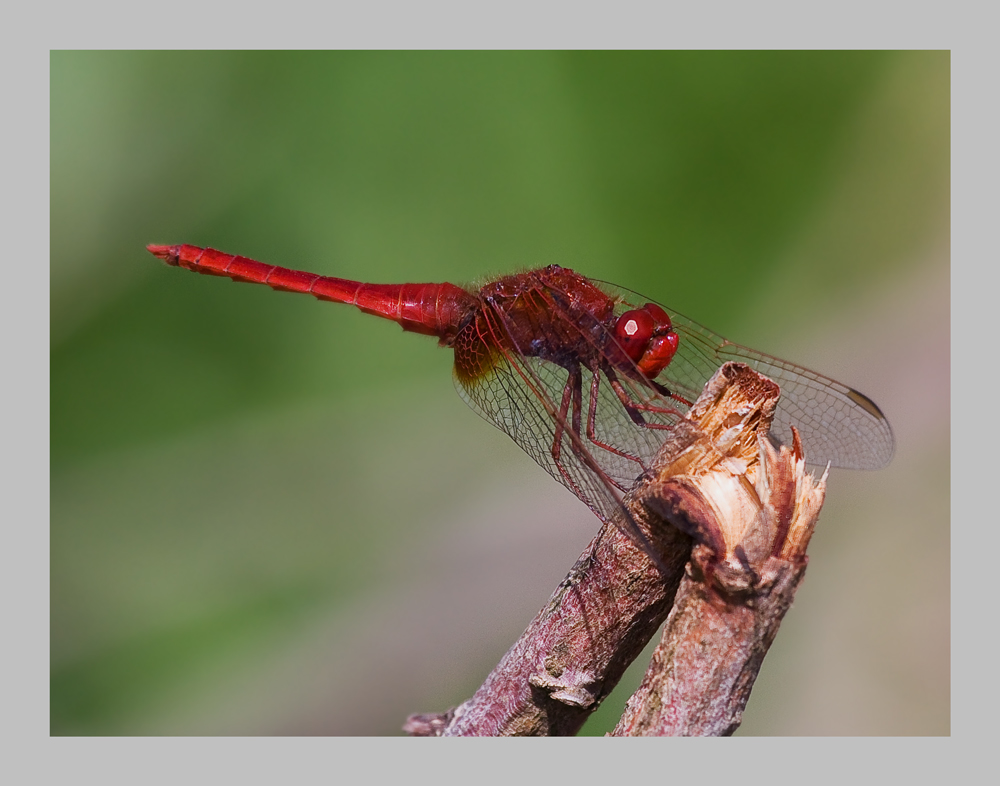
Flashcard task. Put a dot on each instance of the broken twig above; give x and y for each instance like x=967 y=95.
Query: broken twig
x=716 y=483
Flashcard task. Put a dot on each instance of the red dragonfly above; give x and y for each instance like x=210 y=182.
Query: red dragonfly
x=526 y=344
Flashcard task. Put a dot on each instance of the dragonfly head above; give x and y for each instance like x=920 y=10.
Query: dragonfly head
x=647 y=336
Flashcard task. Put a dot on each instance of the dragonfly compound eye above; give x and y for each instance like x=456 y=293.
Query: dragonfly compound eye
x=658 y=354
x=633 y=331
x=647 y=337
x=660 y=318
x=662 y=345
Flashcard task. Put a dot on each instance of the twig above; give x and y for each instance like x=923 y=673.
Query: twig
x=615 y=597
x=730 y=603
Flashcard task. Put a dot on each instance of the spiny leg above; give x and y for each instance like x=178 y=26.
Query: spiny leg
x=577 y=401
x=577 y=446
x=561 y=418
x=592 y=424
x=572 y=393
x=572 y=396
x=634 y=408
x=666 y=393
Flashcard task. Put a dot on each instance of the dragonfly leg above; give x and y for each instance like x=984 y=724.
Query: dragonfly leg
x=571 y=394
x=572 y=398
x=635 y=408
x=572 y=404
x=577 y=401
x=592 y=424
x=665 y=392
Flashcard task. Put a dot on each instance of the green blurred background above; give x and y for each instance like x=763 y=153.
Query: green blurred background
x=271 y=515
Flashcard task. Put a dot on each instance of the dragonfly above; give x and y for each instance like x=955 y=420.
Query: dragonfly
x=584 y=376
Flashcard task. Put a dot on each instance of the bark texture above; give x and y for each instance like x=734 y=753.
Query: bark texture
x=730 y=603
x=717 y=485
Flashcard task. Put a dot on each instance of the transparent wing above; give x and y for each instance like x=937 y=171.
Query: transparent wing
x=838 y=425
x=521 y=396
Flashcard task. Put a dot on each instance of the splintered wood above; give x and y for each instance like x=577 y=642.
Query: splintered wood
x=751 y=525
x=728 y=518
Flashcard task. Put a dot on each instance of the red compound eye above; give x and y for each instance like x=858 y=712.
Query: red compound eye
x=647 y=337
x=633 y=331
x=663 y=323
x=659 y=354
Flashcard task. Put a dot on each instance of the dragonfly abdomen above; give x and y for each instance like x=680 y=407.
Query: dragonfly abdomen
x=432 y=309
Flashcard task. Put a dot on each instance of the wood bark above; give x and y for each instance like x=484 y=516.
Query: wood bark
x=747 y=509
x=729 y=606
